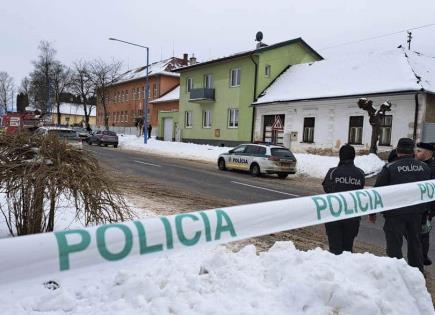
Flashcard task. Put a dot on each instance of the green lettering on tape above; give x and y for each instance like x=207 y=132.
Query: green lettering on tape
x=101 y=242
x=65 y=249
x=321 y=205
x=180 y=233
x=144 y=247
x=221 y=216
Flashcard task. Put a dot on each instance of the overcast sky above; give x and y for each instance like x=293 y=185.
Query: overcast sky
x=79 y=29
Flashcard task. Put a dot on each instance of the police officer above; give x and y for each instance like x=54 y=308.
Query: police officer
x=425 y=153
x=405 y=221
x=346 y=176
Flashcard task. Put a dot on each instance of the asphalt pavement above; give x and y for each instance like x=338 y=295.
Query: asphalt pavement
x=205 y=179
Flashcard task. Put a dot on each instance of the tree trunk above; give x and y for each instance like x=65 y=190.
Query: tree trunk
x=59 y=115
x=374 y=139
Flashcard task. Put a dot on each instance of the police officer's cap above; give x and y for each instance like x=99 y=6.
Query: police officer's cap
x=426 y=146
x=405 y=146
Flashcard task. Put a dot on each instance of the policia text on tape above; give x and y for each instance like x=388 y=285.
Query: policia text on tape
x=49 y=253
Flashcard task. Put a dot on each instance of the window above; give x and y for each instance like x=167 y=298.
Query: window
x=206 y=119
x=208 y=81
x=267 y=71
x=189 y=84
x=188 y=119
x=126 y=116
x=239 y=149
x=122 y=96
x=235 y=77
x=355 y=129
x=126 y=95
x=155 y=90
x=385 y=130
x=255 y=150
x=308 y=135
x=233 y=118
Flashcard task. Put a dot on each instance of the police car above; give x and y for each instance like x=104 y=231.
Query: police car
x=259 y=159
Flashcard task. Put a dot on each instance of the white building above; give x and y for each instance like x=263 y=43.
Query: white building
x=313 y=107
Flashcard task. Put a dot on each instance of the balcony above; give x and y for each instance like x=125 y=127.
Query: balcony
x=201 y=95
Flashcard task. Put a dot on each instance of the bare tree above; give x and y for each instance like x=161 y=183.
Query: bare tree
x=61 y=80
x=36 y=173
x=103 y=75
x=375 y=119
x=6 y=90
x=82 y=85
x=41 y=77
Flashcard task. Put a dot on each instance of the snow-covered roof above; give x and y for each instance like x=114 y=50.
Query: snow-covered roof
x=382 y=72
x=162 y=67
x=73 y=109
x=173 y=95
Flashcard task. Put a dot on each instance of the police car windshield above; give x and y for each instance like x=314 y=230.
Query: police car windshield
x=281 y=152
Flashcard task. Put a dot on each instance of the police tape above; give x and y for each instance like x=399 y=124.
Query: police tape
x=49 y=253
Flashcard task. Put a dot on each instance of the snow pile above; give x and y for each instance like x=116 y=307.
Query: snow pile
x=283 y=280
x=318 y=166
x=308 y=164
x=191 y=151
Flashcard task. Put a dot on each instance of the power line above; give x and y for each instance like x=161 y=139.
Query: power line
x=380 y=36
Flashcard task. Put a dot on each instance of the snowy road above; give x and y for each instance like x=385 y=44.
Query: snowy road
x=205 y=179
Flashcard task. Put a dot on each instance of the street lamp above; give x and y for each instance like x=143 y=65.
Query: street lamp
x=145 y=102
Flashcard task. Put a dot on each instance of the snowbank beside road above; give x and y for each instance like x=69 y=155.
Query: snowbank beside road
x=281 y=281
x=308 y=164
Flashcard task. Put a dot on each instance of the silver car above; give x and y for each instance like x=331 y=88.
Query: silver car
x=66 y=134
x=259 y=159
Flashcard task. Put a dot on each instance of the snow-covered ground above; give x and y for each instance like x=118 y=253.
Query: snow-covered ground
x=308 y=164
x=283 y=280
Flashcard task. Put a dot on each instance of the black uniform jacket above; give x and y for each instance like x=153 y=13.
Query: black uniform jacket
x=404 y=170
x=346 y=176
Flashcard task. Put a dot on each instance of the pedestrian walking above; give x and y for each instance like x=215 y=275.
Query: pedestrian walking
x=405 y=221
x=346 y=176
x=150 y=128
x=425 y=153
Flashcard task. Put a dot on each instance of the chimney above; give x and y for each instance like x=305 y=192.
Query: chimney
x=185 y=59
x=192 y=60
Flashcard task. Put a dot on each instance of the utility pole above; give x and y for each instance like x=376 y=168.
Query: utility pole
x=409 y=39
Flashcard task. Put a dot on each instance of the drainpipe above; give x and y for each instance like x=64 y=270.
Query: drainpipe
x=254 y=98
x=414 y=136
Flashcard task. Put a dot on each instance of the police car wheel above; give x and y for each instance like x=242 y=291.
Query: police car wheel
x=255 y=170
x=221 y=164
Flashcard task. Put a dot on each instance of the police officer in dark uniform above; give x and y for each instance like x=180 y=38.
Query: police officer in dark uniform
x=346 y=176
x=405 y=221
x=425 y=153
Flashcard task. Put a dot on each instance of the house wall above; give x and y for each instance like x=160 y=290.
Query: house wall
x=67 y=119
x=167 y=114
x=227 y=97
x=332 y=121
x=279 y=59
x=133 y=106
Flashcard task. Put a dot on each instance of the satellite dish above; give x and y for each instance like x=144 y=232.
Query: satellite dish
x=259 y=36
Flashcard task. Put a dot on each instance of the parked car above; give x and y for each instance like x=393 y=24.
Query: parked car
x=67 y=134
x=82 y=132
x=103 y=137
x=259 y=159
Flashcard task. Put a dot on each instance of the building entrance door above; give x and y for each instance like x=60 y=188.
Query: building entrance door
x=273 y=129
x=168 y=129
